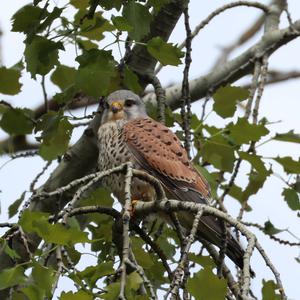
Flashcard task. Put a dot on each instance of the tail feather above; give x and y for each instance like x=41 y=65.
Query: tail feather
x=211 y=229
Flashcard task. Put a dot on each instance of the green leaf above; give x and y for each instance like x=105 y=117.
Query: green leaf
x=80 y=295
x=28 y=217
x=158 y=4
x=196 y=124
x=9 y=81
x=256 y=182
x=289 y=165
x=50 y=18
x=213 y=183
x=156 y=275
x=86 y=44
x=205 y=285
x=165 y=53
x=288 y=137
x=66 y=96
x=44 y=278
x=151 y=110
x=96 y=71
x=255 y=161
x=133 y=282
x=80 y=4
x=13 y=208
x=27 y=19
x=17 y=121
x=59 y=234
x=55 y=137
x=34 y=292
x=226 y=99
x=269 y=290
x=9 y=251
x=121 y=23
x=236 y=192
x=92 y=28
x=52 y=233
x=63 y=76
x=12 y=276
x=220 y=156
x=204 y=261
x=41 y=55
x=92 y=273
x=139 y=18
x=243 y=132
x=292 y=198
x=110 y=4
x=269 y=228
x=101 y=232
x=112 y=293
x=73 y=254
x=100 y=196
x=143 y=258
x=131 y=81
x=165 y=243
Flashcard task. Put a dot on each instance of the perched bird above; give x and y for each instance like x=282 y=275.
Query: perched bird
x=127 y=134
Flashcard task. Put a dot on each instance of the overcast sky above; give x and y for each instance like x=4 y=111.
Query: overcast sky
x=280 y=103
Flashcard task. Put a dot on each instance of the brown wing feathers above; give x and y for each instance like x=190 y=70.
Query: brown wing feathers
x=157 y=148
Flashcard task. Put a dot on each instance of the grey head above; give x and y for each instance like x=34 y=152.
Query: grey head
x=123 y=104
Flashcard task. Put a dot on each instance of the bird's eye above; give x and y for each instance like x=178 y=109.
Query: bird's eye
x=129 y=102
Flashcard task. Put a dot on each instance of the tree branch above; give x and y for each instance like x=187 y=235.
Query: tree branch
x=232 y=70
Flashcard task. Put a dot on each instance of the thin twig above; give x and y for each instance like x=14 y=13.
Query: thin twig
x=273 y=269
x=25 y=242
x=261 y=86
x=6 y=224
x=273 y=237
x=133 y=264
x=232 y=284
x=33 y=183
x=180 y=270
x=178 y=228
x=231 y=181
x=185 y=90
x=160 y=98
x=207 y=98
x=254 y=84
x=223 y=248
x=246 y=277
x=126 y=240
x=155 y=247
x=44 y=94
x=60 y=268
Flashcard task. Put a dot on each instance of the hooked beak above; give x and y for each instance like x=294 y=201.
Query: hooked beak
x=116 y=107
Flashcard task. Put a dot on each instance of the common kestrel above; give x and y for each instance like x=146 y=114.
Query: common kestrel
x=127 y=134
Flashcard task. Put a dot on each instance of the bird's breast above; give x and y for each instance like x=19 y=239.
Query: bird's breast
x=113 y=152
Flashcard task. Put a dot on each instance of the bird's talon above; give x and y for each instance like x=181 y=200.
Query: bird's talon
x=133 y=204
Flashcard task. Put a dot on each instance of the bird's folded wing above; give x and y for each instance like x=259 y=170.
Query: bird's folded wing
x=159 y=151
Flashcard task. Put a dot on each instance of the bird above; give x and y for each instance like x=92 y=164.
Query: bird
x=127 y=134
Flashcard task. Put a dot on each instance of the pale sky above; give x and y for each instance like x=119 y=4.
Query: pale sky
x=280 y=103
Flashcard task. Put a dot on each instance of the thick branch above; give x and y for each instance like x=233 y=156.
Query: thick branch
x=232 y=70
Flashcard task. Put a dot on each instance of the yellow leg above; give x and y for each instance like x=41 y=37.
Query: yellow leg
x=133 y=204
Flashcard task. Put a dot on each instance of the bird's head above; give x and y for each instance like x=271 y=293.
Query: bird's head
x=123 y=104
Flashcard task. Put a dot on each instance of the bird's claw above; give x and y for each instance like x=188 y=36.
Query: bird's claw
x=133 y=204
